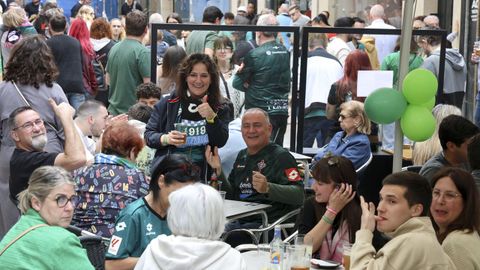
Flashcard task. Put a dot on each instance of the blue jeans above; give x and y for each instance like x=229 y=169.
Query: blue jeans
x=317 y=127
x=477 y=110
x=75 y=99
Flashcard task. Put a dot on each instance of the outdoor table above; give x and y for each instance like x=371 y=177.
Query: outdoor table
x=259 y=260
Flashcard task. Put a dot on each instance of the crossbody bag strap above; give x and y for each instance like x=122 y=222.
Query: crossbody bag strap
x=226 y=85
x=21 y=95
x=28 y=104
x=20 y=236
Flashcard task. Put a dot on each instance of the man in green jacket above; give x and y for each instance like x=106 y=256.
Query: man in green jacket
x=263 y=172
x=264 y=76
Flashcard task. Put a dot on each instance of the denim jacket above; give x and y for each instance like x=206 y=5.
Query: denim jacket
x=355 y=147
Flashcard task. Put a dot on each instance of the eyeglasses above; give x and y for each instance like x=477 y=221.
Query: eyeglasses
x=447 y=195
x=343 y=117
x=62 y=200
x=28 y=126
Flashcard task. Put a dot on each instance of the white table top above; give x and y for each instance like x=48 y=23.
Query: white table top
x=298 y=156
x=260 y=260
x=234 y=208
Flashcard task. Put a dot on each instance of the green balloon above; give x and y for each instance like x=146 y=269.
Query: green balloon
x=419 y=86
x=385 y=105
x=429 y=104
x=417 y=123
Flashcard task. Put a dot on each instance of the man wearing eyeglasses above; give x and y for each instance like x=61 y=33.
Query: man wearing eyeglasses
x=298 y=19
x=29 y=135
x=402 y=215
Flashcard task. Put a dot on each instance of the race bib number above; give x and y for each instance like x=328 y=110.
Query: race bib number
x=196 y=132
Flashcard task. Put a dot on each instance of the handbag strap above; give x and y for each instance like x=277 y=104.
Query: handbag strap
x=21 y=95
x=20 y=236
x=28 y=104
x=226 y=85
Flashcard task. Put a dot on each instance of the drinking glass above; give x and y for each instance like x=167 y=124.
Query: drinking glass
x=301 y=241
x=346 y=250
x=298 y=257
x=181 y=128
x=264 y=256
x=223 y=194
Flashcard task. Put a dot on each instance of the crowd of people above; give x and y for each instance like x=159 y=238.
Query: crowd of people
x=88 y=140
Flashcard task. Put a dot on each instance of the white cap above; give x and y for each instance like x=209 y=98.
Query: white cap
x=242 y=8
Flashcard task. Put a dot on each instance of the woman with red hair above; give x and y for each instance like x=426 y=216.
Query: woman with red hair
x=79 y=30
x=101 y=38
x=111 y=182
x=346 y=88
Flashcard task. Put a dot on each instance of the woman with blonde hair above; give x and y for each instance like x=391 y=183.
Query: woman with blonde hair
x=87 y=13
x=40 y=237
x=118 y=31
x=423 y=151
x=352 y=142
x=16 y=26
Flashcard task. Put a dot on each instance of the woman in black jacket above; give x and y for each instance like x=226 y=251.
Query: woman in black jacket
x=193 y=116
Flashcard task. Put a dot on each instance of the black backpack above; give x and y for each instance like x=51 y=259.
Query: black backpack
x=99 y=70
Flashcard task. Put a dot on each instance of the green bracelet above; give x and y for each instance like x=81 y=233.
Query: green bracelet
x=327 y=220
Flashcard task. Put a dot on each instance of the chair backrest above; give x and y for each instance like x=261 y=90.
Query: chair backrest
x=240 y=237
x=95 y=250
x=412 y=168
x=365 y=165
x=284 y=222
x=75 y=230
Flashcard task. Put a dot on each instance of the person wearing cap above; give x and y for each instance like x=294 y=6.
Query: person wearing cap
x=242 y=11
x=145 y=219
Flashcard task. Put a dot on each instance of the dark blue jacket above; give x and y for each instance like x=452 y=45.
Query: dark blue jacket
x=162 y=121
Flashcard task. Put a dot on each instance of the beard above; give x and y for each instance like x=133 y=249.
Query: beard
x=39 y=142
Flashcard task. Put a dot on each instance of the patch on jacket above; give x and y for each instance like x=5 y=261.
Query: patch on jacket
x=293 y=174
x=115 y=243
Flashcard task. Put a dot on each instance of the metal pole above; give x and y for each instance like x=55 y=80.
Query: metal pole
x=403 y=70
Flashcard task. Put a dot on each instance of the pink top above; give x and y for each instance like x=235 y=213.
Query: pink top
x=331 y=248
